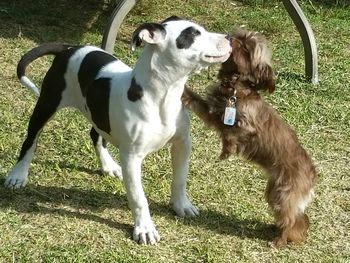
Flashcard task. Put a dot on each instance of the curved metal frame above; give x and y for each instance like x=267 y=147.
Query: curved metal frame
x=120 y=11
x=308 y=38
x=310 y=49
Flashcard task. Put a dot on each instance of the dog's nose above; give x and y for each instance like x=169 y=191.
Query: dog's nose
x=228 y=37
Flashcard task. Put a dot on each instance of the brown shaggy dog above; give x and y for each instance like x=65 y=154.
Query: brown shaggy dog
x=259 y=134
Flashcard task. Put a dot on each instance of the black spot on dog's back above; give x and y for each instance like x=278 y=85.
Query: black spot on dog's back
x=186 y=38
x=97 y=99
x=135 y=91
x=90 y=66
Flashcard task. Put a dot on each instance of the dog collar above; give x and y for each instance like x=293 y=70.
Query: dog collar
x=229 y=90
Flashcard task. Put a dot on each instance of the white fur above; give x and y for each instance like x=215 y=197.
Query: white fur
x=18 y=177
x=306 y=201
x=141 y=127
x=108 y=165
x=29 y=84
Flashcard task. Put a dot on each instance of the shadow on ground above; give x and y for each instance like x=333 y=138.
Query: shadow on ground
x=45 y=20
x=31 y=198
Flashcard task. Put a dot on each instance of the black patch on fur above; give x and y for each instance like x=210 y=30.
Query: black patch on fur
x=97 y=99
x=171 y=18
x=50 y=97
x=90 y=66
x=135 y=91
x=186 y=38
x=39 y=51
x=95 y=136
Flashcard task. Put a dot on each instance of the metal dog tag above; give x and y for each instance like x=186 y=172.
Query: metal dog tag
x=230 y=111
x=230 y=116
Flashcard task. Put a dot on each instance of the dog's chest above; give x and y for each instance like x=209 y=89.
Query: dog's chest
x=145 y=125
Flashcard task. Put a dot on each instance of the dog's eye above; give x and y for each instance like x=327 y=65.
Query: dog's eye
x=186 y=38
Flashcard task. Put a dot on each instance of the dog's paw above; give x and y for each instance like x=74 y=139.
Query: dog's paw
x=224 y=155
x=184 y=208
x=112 y=169
x=188 y=97
x=17 y=178
x=146 y=234
x=278 y=242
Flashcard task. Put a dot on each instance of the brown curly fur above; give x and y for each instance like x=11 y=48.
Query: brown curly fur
x=260 y=134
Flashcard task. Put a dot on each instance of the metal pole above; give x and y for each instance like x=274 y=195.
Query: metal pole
x=308 y=38
x=110 y=34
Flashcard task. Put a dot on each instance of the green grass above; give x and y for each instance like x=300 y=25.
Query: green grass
x=69 y=212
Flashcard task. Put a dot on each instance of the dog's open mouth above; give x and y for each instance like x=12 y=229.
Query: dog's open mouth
x=216 y=58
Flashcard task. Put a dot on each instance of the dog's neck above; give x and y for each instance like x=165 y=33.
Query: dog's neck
x=237 y=85
x=159 y=75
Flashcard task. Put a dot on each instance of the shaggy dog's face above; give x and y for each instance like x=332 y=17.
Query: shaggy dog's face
x=250 y=59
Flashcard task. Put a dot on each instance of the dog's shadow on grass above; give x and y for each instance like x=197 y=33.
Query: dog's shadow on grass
x=234 y=225
x=84 y=204
x=69 y=166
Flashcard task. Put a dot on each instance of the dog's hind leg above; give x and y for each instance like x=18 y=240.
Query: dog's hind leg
x=291 y=222
x=108 y=165
x=298 y=233
x=284 y=219
x=43 y=111
x=292 y=227
x=50 y=100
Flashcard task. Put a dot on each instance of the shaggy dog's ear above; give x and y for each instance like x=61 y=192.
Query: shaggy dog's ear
x=250 y=58
x=260 y=59
x=151 y=33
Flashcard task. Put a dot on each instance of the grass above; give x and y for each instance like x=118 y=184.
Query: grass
x=69 y=212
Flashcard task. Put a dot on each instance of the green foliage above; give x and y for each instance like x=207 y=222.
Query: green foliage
x=69 y=212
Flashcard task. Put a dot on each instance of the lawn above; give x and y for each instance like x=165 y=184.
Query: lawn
x=70 y=212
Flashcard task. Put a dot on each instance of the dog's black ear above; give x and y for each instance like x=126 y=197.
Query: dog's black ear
x=151 y=33
x=171 y=18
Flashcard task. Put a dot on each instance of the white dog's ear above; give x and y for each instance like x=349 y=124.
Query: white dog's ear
x=151 y=33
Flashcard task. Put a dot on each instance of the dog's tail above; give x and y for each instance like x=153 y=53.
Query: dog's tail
x=30 y=56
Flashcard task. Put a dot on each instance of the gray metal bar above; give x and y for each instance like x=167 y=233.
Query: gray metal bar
x=308 y=38
x=110 y=34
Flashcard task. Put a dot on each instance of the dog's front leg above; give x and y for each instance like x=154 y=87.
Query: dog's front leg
x=144 y=229
x=180 y=155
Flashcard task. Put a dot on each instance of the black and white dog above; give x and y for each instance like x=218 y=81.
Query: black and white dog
x=138 y=110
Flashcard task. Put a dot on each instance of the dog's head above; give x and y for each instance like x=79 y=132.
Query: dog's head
x=250 y=59
x=182 y=44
